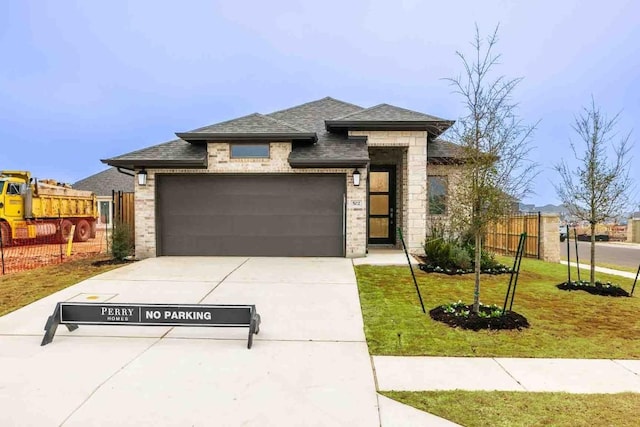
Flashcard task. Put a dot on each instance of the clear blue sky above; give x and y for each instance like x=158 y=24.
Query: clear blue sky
x=85 y=80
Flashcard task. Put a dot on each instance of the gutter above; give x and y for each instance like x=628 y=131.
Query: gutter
x=125 y=173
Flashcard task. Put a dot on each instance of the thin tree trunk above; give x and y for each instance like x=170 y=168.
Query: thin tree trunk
x=592 y=277
x=476 y=291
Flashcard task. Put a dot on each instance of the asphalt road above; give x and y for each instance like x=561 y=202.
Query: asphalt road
x=626 y=255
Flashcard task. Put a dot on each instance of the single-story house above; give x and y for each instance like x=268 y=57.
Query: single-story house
x=325 y=178
x=103 y=184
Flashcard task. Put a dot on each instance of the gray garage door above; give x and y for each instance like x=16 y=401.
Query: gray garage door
x=257 y=215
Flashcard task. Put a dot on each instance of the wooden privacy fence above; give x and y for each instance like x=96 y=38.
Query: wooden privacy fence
x=502 y=236
x=123 y=209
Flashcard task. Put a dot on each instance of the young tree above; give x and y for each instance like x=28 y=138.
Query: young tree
x=495 y=145
x=599 y=188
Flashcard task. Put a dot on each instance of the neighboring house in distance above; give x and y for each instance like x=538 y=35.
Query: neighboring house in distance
x=102 y=184
x=325 y=178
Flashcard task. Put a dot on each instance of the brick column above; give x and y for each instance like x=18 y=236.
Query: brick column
x=631 y=233
x=356 y=226
x=550 y=237
x=414 y=227
x=145 y=217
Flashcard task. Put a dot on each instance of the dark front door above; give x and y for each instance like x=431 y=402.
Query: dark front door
x=382 y=204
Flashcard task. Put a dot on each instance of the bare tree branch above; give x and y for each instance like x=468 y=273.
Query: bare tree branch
x=599 y=188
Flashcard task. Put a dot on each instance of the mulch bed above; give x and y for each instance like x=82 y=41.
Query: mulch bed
x=604 y=289
x=430 y=268
x=510 y=320
x=112 y=262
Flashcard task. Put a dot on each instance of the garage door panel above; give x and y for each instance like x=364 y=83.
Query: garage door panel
x=258 y=204
x=276 y=215
x=254 y=225
x=260 y=246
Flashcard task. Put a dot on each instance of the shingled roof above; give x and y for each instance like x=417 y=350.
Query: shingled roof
x=330 y=149
x=252 y=127
x=177 y=153
x=106 y=181
x=385 y=116
x=443 y=151
x=317 y=130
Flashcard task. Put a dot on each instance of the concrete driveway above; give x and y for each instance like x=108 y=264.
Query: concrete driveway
x=309 y=365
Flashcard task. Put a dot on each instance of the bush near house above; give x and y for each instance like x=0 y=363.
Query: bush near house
x=121 y=241
x=456 y=256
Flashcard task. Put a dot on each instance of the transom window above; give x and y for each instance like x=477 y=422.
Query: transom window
x=437 y=194
x=249 y=151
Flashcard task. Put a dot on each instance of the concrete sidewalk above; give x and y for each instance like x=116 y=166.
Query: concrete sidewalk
x=507 y=374
x=587 y=267
x=386 y=257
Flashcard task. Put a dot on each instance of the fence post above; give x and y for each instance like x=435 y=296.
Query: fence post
x=61 y=233
x=539 y=232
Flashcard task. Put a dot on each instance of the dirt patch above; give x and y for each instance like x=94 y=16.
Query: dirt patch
x=25 y=255
x=462 y=316
x=599 y=288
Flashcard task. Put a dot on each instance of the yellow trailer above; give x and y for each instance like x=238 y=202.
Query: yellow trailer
x=30 y=209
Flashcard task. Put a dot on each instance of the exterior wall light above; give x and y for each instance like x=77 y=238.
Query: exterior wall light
x=142 y=177
x=356 y=178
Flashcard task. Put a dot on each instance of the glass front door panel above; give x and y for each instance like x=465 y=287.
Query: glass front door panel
x=379 y=182
x=382 y=205
x=379 y=204
x=379 y=228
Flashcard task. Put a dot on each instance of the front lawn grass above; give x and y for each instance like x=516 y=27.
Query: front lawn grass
x=514 y=409
x=564 y=324
x=20 y=289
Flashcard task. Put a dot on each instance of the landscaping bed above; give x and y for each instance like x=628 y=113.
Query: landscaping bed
x=427 y=267
x=599 y=288
x=456 y=257
x=112 y=261
x=459 y=315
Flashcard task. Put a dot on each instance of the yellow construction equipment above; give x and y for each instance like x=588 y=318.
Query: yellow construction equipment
x=30 y=209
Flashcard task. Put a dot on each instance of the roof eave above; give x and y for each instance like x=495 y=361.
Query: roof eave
x=241 y=137
x=433 y=127
x=151 y=163
x=445 y=160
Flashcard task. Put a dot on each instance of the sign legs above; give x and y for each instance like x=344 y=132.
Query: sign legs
x=51 y=326
x=254 y=328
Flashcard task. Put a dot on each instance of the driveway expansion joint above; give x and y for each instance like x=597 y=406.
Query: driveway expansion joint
x=509 y=373
x=223 y=279
x=109 y=378
x=624 y=367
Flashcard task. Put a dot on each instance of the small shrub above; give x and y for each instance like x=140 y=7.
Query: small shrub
x=460 y=258
x=121 y=241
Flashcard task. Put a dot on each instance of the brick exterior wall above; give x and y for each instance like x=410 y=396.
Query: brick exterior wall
x=219 y=161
